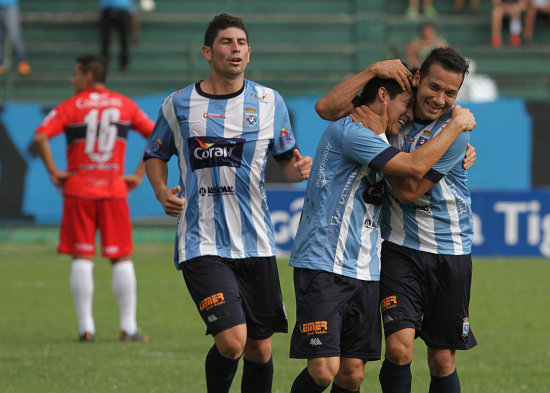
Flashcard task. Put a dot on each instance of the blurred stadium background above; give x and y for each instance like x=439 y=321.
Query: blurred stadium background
x=301 y=48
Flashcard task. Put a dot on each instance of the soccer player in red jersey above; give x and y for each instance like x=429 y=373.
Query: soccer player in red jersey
x=96 y=122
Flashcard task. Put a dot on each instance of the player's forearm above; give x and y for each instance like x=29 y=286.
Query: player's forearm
x=157 y=173
x=140 y=170
x=425 y=157
x=44 y=152
x=338 y=101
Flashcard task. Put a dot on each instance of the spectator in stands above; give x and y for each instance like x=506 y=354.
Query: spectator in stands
x=429 y=10
x=116 y=14
x=459 y=5
x=420 y=47
x=535 y=7
x=10 y=21
x=511 y=9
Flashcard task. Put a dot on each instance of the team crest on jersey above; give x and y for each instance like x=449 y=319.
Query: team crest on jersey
x=465 y=327
x=421 y=141
x=251 y=122
x=208 y=152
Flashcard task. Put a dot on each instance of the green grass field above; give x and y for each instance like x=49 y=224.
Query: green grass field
x=39 y=351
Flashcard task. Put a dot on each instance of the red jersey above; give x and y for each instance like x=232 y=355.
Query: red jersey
x=96 y=123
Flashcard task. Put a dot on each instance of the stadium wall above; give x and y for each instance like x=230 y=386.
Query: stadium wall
x=512 y=212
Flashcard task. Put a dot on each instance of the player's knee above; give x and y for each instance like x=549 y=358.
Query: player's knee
x=399 y=352
x=442 y=362
x=258 y=351
x=230 y=347
x=350 y=379
x=322 y=373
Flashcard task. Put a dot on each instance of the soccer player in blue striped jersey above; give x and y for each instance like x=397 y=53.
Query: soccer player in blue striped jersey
x=221 y=130
x=427 y=227
x=336 y=252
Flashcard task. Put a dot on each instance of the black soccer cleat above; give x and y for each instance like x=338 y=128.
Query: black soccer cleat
x=133 y=337
x=87 y=337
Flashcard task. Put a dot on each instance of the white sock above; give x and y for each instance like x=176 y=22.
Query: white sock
x=515 y=26
x=124 y=286
x=82 y=287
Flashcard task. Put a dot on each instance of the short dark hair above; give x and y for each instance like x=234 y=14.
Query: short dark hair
x=96 y=64
x=449 y=58
x=222 y=22
x=370 y=91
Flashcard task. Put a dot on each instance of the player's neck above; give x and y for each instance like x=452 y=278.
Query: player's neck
x=221 y=86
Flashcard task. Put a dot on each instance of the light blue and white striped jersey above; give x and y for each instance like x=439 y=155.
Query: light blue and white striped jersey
x=221 y=143
x=440 y=221
x=339 y=228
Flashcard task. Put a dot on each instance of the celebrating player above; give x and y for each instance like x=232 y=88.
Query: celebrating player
x=96 y=122
x=426 y=256
x=336 y=252
x=221 y=130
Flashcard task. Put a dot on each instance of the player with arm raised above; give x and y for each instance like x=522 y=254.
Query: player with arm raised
x=336 y=250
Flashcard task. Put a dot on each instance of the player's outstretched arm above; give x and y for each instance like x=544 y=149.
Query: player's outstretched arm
x=42 y=144
x=405 y=172
x=297 y=168
x=157 y=173
x=338 y=101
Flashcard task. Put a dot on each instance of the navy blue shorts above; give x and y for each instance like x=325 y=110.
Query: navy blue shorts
x=230 y=292
x=429 y=293
x=335 y=316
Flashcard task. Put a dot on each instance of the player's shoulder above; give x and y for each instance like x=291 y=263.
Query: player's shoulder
x=261 y=93
x=180 y=94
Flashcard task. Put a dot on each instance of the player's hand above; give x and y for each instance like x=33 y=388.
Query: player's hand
x=394 y=69
x=374 y=121
x=59 y=177
x=464 y=118
x=171 y=203
x=303 y=164
x=469 y=158
x=132 y=181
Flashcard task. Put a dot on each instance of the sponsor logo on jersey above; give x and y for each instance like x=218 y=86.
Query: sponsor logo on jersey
x=374 y=193
x=284 y=138
x=212 y=301
x=217 y=190
x=208 y=152
x=408 y=138
x=95 y=100
x=317 y=327
x=256 y=97
x=321 y=176
x=158 y=145
x=181 y=118
x=465 y=327
x=388 y=302
x=206 y=115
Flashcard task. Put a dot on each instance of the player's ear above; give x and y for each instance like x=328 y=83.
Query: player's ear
x=416 y=78
x=207 y=53
x=383 y=94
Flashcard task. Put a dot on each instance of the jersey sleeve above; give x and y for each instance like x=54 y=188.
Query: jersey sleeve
x=54 y=123
x=284 y=143
x=141 y=122
x=161 y=141
x=363 y=146
x=454 y=154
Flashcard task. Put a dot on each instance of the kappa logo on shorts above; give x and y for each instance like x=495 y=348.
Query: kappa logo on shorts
x=465 y=327
x=317 y=327
x=389 y=302
x=212 y=301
